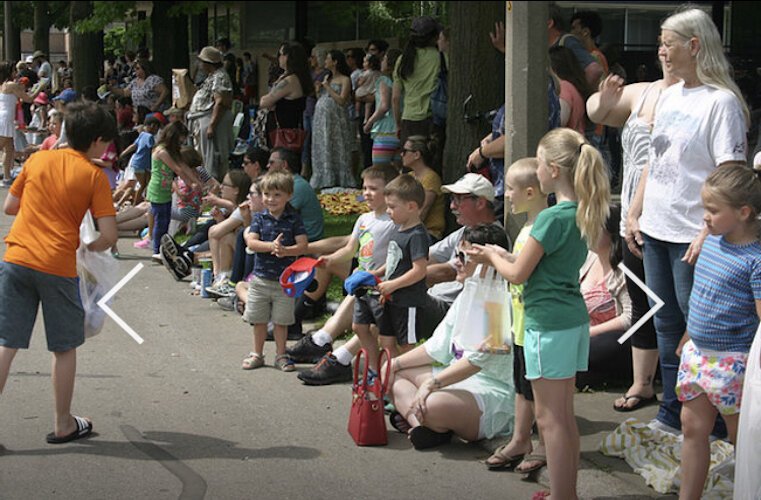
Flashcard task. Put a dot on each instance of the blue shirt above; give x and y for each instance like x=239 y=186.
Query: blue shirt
x=141 y=160
x=727 y=282
x=497 y=165
x=268 y=227
x=305 y=201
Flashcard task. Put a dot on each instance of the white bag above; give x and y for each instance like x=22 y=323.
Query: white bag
x=98 y=273
x=748 y=449
x=483 y=321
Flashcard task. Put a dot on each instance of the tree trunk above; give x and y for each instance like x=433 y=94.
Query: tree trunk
x=84 y=48
x=169 y=51
x=12 y=35
x=42 y=27
x=474 y=68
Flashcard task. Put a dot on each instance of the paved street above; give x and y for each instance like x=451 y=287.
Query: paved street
x=177 y=417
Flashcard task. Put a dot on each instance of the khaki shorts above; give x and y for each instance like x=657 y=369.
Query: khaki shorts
x=267 y=302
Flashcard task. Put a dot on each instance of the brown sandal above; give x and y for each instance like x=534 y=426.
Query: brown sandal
x=505 y=462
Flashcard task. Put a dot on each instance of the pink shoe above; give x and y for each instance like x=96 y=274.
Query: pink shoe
x=146 y=243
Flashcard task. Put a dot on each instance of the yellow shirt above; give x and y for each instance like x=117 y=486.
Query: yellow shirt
x=434 y=221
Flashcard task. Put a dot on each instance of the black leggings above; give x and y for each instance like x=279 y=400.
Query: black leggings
x=644 y=338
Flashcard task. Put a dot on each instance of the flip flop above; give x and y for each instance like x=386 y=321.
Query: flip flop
x=398 y=422
x=506 y=462
x=641 y=402
x=84 y=429
x=540 y=461
x=423 y=438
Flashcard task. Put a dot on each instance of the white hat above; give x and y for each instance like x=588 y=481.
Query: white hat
x=474 y=184
x=29 y=59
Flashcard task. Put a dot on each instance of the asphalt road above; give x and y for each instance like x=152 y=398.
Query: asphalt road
x=176 y=417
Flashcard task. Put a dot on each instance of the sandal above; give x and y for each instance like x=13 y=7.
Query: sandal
x=253 y=361
x=83 y=428
x=539 y=462
x=398 y=422
x=284 y=363
x=540 y=495
x=506 y=462
x=642 y=401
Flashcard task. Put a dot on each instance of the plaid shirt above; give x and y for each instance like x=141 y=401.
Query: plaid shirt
x=290 y=225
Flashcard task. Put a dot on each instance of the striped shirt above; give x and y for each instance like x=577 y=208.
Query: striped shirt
x=727 y=283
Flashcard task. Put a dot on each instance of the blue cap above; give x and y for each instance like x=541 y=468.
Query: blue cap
x=358 y=280
x=67 y=96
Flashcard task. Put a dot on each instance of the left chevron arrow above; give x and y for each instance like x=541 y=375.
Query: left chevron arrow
x=102 y=303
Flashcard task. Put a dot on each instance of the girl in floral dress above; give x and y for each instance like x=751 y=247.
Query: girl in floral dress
x=724 y=311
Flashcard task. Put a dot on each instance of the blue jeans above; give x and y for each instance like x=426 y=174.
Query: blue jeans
x=162 y=215
x=671 y=280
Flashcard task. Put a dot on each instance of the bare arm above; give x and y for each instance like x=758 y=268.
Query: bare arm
x=254 y=243
x=440 y=273
x=415 y=274
x=282 y=89
x=614 y=102
x=594 y=73
x=108 y=234
x=296 y=250
x=382 y=109
x=11 y=205
x=623 y=320
x=327 y=246
x=345 y=96
x=633 y=237
x=130 y=149
x=343 y=254
x=163 y=93
x=516 y=271
x=396 y=105
x=186 y=174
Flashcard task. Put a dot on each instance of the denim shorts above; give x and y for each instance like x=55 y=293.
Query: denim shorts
x=556 y=354
x=21 y=291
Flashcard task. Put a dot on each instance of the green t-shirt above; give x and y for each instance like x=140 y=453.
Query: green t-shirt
x=551 y=298
x=160 y=186
x=418 y=87
x=516 y=291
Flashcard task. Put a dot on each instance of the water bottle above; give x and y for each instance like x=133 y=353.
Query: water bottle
x=206 y=276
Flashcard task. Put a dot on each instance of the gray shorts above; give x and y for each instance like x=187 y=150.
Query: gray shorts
x=267 y=302
x=21 y=291
x=367 y=310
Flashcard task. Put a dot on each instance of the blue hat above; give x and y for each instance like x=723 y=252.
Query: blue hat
x=360 y=279
x=67 y=96
x=297 y=278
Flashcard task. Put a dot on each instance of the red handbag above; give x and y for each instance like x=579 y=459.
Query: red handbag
x=367 y=425
x=288 y=138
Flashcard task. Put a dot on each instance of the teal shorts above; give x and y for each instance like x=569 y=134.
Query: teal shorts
x=556 y=354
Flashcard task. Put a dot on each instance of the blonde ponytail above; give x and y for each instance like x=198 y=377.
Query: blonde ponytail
x=592 y=187
x=568 y=149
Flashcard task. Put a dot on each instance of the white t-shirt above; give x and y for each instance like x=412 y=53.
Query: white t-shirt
x=757 y=161
x=373 y=234
x=695 y=131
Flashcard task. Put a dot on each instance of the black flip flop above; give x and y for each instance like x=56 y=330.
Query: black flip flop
x=423 y=438
x=398 y=422
x=641 y=402
x=84 y=429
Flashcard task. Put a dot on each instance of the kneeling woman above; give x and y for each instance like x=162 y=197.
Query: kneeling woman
x=472 y=396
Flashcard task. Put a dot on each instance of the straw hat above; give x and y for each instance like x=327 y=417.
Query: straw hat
x=210 y=55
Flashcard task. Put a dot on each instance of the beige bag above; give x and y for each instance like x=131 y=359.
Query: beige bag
x=182 y=89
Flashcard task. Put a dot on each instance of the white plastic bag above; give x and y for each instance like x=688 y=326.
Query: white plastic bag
x=748 y=450
x=98 y=272
x=483 y=322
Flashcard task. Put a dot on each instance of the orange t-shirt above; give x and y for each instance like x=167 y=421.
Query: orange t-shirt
x=56 y=188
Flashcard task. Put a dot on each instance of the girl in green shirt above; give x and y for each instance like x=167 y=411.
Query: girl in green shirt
x=556 y=343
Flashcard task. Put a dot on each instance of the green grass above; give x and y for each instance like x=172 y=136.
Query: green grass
x=337 y=225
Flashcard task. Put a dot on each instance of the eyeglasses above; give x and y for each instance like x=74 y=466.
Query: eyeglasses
x=405 y=151
x=458 y=198
x=253 y=194
x=224 y=184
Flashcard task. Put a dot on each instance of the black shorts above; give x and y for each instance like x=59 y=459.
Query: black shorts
x=522 y=386
x=401 y=322
x=367 y=310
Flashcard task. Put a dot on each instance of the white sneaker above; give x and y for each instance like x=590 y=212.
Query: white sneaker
x=656 y=424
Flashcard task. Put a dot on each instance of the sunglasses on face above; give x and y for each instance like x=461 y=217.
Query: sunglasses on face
x=463 y=257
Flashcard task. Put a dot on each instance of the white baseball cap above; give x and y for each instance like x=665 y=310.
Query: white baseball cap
x=474 y=184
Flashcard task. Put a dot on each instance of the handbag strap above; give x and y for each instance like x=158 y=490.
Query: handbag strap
x=362 y=353
x=384 y=377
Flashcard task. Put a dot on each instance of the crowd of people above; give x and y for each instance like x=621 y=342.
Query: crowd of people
x=687 y=226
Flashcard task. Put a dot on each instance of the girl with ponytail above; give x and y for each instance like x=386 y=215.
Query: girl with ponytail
x=556 y=343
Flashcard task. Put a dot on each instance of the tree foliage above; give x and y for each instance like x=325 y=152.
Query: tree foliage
x=395 y=18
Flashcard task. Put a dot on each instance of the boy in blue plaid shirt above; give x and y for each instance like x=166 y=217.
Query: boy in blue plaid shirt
x=278 y=237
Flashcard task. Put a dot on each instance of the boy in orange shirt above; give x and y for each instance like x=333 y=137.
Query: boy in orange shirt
x=50 y=197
